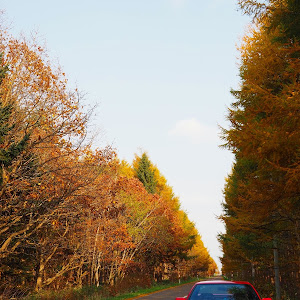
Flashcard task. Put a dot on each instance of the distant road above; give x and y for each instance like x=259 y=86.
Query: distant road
x=168 y=294
x=171 y=293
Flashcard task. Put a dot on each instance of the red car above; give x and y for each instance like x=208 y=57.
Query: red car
x=222 y=290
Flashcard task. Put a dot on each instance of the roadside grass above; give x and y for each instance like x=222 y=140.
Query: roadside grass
x=100 y=293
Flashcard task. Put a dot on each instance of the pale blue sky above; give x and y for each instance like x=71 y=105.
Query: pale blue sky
x=160 y=72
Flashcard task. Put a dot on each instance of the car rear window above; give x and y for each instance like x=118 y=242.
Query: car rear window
x=223 y=292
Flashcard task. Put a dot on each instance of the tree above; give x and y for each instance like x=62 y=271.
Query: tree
x=262 y=193
x=145 y=174
x=15 y=164
x=175 y=233
x=12 y=149
x=42 y=157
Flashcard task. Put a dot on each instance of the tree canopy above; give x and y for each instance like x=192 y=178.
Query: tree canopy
x=261 y=202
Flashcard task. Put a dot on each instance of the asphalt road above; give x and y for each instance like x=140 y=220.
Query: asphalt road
x=171 y=293
x=168 y=294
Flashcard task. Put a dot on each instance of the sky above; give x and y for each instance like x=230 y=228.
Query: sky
x=160 y=74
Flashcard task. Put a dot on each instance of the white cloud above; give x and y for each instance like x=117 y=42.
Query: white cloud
x=195 y=131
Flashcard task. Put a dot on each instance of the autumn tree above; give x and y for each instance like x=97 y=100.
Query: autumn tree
x=16 y=164
x=198 y=260
x=46 y=168
x=262 y=194
x=177 y=234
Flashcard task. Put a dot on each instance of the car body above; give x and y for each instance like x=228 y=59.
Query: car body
x=222 y=290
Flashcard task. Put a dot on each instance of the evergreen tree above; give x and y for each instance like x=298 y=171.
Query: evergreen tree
x=145 y=174
x=286 y=19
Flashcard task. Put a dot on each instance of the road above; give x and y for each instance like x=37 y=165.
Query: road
x=168 y=294
x=171 y=293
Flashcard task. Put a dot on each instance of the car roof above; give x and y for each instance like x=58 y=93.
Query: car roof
x=222 y=282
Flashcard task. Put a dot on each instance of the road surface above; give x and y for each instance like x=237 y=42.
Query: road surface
x=168 y=294
x=171 y=293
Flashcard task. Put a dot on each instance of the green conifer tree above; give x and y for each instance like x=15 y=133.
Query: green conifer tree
x=145 y=174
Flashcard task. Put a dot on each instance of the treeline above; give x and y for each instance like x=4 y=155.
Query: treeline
x=70 y=215
x=261 y=209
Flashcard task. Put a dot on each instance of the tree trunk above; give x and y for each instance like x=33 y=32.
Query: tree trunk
x=276 y=269
x=252 y=268
x=39 y=280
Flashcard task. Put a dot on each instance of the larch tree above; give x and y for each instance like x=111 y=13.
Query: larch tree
x=262 y=202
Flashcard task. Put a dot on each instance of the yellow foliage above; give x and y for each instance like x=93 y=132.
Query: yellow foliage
x=125 y=169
